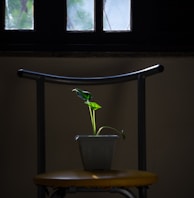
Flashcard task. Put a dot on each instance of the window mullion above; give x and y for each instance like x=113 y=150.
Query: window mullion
x=41 y=20
x=49 y=19
x=99 y=16
x=2 y=15
x=65 y=16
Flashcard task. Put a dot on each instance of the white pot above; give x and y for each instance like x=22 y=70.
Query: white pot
x=96 y=151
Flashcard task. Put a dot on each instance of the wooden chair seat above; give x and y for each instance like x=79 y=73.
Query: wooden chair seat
x=101 y=179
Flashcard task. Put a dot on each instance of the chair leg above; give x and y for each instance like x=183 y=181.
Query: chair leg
x=41 y=192
x=58 y=193
x=125 y=192
x=61 y=192
x=142 y=192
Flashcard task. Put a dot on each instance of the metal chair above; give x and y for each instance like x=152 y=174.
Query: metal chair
x=115 y=181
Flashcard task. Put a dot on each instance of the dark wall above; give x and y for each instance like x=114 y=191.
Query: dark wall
x=170 y=115
x=165 y=25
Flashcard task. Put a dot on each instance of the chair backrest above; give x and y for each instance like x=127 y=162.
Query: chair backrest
x=41 y=78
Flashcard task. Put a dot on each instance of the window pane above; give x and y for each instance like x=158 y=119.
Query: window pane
x=117 y=15
x=19 y=14
x=80 y=15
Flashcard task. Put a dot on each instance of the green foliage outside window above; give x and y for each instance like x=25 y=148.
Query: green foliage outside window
x=80 y=15
x=19 y=14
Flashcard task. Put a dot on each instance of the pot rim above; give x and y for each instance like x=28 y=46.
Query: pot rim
x=96 y=136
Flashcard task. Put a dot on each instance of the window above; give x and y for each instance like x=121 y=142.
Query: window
x=94 y=25
x=116 y=15
x=64 y=25
x=19 y=15
x=80 y=15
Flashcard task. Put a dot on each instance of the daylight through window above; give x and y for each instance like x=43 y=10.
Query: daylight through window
x=19 y=15
x=116 y=15
x=80 y=15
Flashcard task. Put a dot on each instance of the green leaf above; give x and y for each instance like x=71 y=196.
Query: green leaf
x=84 y=95
x=93 y=105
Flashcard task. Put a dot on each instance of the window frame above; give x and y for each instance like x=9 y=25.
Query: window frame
x=52 y=36
x=150 y=31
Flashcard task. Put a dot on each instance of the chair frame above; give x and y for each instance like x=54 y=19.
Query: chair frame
x=139 y=75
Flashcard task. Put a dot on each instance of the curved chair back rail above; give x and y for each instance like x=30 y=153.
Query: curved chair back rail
x=41 y=78
x=91 y=80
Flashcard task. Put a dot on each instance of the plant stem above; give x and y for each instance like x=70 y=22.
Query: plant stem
x=108 y=127
x=94 y=122
x=92 y=117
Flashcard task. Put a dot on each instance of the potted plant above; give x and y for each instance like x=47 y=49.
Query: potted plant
x=96 y=149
